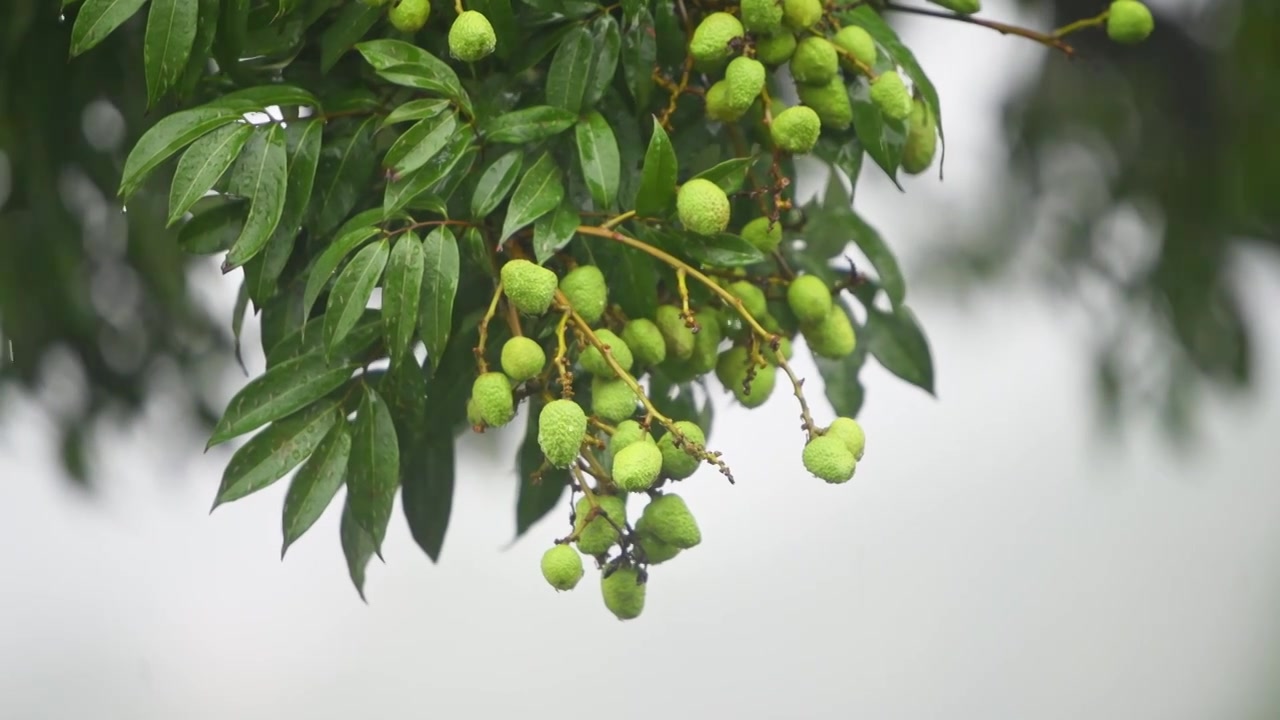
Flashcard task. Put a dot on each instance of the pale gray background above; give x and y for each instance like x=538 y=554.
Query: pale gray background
x=996 y=556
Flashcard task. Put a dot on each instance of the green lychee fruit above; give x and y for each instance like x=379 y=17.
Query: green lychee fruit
x=599 y=535
x=731 y=367
x=623 y=592
x=471 y=37
x=809 y=299
x=643 y=336
x=522 y=358
x=562 y=567
x=801 y=14
x=890 y=94
x=627 y=432
x=668 y=517
x=762 y=16
x=796 y=129
x=528 y=286
x=711 y=39
x=964 y=7
x=830 y=102
x=1129 y=22
x=833 y=337
x=594 y=361
x=655 y=550
x=612 y=400
x=703 y=207
x=761 y=387
x=850 y=433
x=784 y=347
x=678 y=464
x=637 y=466
x=679 y=338
x=763 y=234
x=562 y=425
x=752 y=297
x=409 y=15
x=829 y=459
x=473 y=414
x=706 y=342
x=815 y=61
x=775 y=49
x=922 y=139
x=745 y=78
x=494 y=403
x=718 y=105
x=587 y=293
x=857 y=42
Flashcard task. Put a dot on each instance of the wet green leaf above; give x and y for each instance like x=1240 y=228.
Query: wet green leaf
x=279 y=392
x=439 y=287
x=401 y=293
x=598 y=158
x=352 y=290
x=272 y=453
x=538 y=193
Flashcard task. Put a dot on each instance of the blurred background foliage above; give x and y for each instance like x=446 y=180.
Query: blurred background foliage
x=1133 y=177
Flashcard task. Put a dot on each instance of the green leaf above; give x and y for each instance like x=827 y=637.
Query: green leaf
x=528 y=125
x=845 y=154
x=639 y=54
x=657 y=193
x=373 y=470
x=570 y=70
x=352 y=291
x=237 y=320
x=897 y=342
x=420 y=143
x=840 y=382
x=261 y=176
x=353 y=21
x=538 y=193
x=415 y=110
x=883 y=138
x=495 y=182
x=171 y=31
x=262 y=97
x=203 y=164
x=400 y=192
x=598 y=156
x=166 y=138
x=503 y=19
x=316 y=483
x=211 y=230
x=554 y=230
x=309 y=339
x=881 y=257
x=272 y=453
x=279 y=392
x=730 y=174
x=402 y=292
x=303 y=143
x=329 y=260
x=631 y=276
x=427 y=488
x=344 y=173
x=723 y=250
x=96 y=20
x=608 y=42
x=439 y=287
x=357 y=546
x=409 y=65
x=201 y=47
x=540 y=487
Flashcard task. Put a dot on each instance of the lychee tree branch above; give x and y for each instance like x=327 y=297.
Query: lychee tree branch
x=1048 y=40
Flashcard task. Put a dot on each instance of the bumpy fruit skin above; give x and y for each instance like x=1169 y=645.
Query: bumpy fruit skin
x=964 y=7
x=409 y=15
x=815 y=61
x=561 y=427
x=676 y=463
x=766 y=378
x=668 y=517
x=763 y=234
x=1129 y=22
x=809 y=299
x=655 y=550
x=752 y=297
x=762 y=16
x=801 y=14
x=612 y=400
x=637 y=466
x=493 y=401
x=528 y=286
x=718 y=105
x=731 y=367
x=562 y=567
x=922 y=139
x=706 y=342
x=830 y=101
x=890 y=94
x=828 y=458
x=703 y=207
x=833 y=337
x=710 y=42
x=473 y=414
x=522 y=358
x=471 y=37
x=584 y=287
x=623 y=593
x=678 y=336
x=776 y=49
x=858 y=43
x=796 y=129
x=648 y=347
x=594 y=361
x=599 y=535
x=627 y=432
x=745 y=78
x=848 y=431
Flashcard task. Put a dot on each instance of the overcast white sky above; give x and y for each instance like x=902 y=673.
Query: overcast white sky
x=994 y=558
